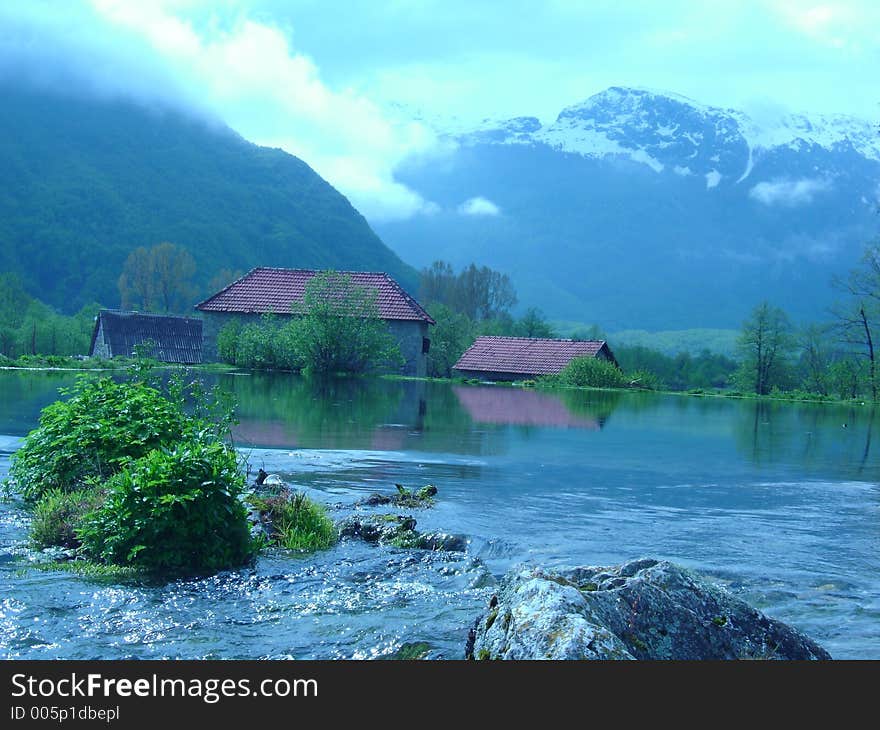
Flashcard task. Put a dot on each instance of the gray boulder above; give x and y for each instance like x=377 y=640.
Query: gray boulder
x=643 y=609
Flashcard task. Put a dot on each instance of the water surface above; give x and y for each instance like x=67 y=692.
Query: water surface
x=779 y=501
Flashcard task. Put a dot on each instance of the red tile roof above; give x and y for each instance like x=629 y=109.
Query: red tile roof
x=281 y=291
x=525 y=355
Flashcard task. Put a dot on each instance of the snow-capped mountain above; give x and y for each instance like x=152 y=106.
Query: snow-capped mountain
x=763 y=207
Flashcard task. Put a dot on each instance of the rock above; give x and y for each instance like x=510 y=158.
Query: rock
x=442 y=541
x=398 y=531
x=411 y=651
x=403 y=498
x=643 y=609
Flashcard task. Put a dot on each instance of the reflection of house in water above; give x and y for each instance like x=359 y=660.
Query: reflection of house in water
x=486 y=404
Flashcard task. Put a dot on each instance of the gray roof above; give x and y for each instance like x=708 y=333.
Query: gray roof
x=175 y=339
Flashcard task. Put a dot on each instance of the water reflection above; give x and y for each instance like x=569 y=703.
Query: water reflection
x=510 y=406
x=289 y=412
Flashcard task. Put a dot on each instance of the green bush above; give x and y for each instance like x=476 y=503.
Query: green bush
x=298 y=523
x=101 y=426
x=591 y=372
x=173 y=511
x=59 y=515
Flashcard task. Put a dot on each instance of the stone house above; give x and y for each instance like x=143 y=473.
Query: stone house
x=281 y=292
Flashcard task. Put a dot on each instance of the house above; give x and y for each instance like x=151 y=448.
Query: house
x=519 y=358
x=281 y=291
x=163 y=337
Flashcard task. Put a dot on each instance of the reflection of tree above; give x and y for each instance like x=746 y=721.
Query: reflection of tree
x=815 y=437
x=599 y=404
x=316 y=412
x=24 y=393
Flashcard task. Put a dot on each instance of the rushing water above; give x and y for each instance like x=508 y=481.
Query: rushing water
x=779 y=501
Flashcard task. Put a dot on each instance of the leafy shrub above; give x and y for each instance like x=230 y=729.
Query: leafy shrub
x=173 y=510
x=298 y=523
x=58 y=516
x=101 y=426
x=591 y=372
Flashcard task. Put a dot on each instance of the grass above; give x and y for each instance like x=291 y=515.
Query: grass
x=298 y=523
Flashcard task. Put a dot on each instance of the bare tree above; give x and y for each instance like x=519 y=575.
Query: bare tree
x=857 y=315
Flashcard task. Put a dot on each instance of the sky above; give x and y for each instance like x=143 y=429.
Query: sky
x=333 y=81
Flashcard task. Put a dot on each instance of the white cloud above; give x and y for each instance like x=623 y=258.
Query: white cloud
x=787 y=192
x=479 y=206
x=242 y=71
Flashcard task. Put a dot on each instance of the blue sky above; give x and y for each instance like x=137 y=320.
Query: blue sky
x=317 y=77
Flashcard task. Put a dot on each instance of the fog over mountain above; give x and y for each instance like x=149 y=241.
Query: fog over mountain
x=641 y=208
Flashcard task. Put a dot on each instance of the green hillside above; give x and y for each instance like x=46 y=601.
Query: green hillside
x=83 y=182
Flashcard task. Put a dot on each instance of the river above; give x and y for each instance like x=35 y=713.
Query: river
x=778 y=501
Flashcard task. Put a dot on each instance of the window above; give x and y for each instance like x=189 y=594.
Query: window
x=426 y=345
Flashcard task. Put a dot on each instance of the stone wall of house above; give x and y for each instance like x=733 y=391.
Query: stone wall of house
x=409 y=335
x=101 y=348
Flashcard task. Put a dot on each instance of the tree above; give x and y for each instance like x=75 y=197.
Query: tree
x=341 y=330
x=815 y=358
x=452 y=335
x=136 y=287
x=858 y=314
x=173 y=269
x=533 y=324
x=479 y=293
x=765 y=347
x=157 y=279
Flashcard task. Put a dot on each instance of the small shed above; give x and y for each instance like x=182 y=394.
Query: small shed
x=163 y=337
x=518 y=358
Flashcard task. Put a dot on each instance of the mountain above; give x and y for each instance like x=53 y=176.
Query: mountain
x=646 y=210
x=84 y=181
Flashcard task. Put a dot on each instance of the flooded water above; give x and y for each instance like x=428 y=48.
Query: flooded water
x=779 y=501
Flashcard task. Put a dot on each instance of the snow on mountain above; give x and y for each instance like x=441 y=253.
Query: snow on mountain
x=664 y=130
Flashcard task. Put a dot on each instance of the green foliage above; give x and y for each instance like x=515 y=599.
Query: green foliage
x=93 y=433
x=29 y=328
x=765 y=347
x=174 y=510
x=103 y=424
x=341 y=331
x=158 y=279
x=591 y=372
x=681 y=372
x=450 y=337
x=533 y=324
x=298 y=522
x=58 y=516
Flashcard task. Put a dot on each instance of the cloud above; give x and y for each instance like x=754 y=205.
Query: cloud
x=787 y=192
x=242 y=71
x=479 y=206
